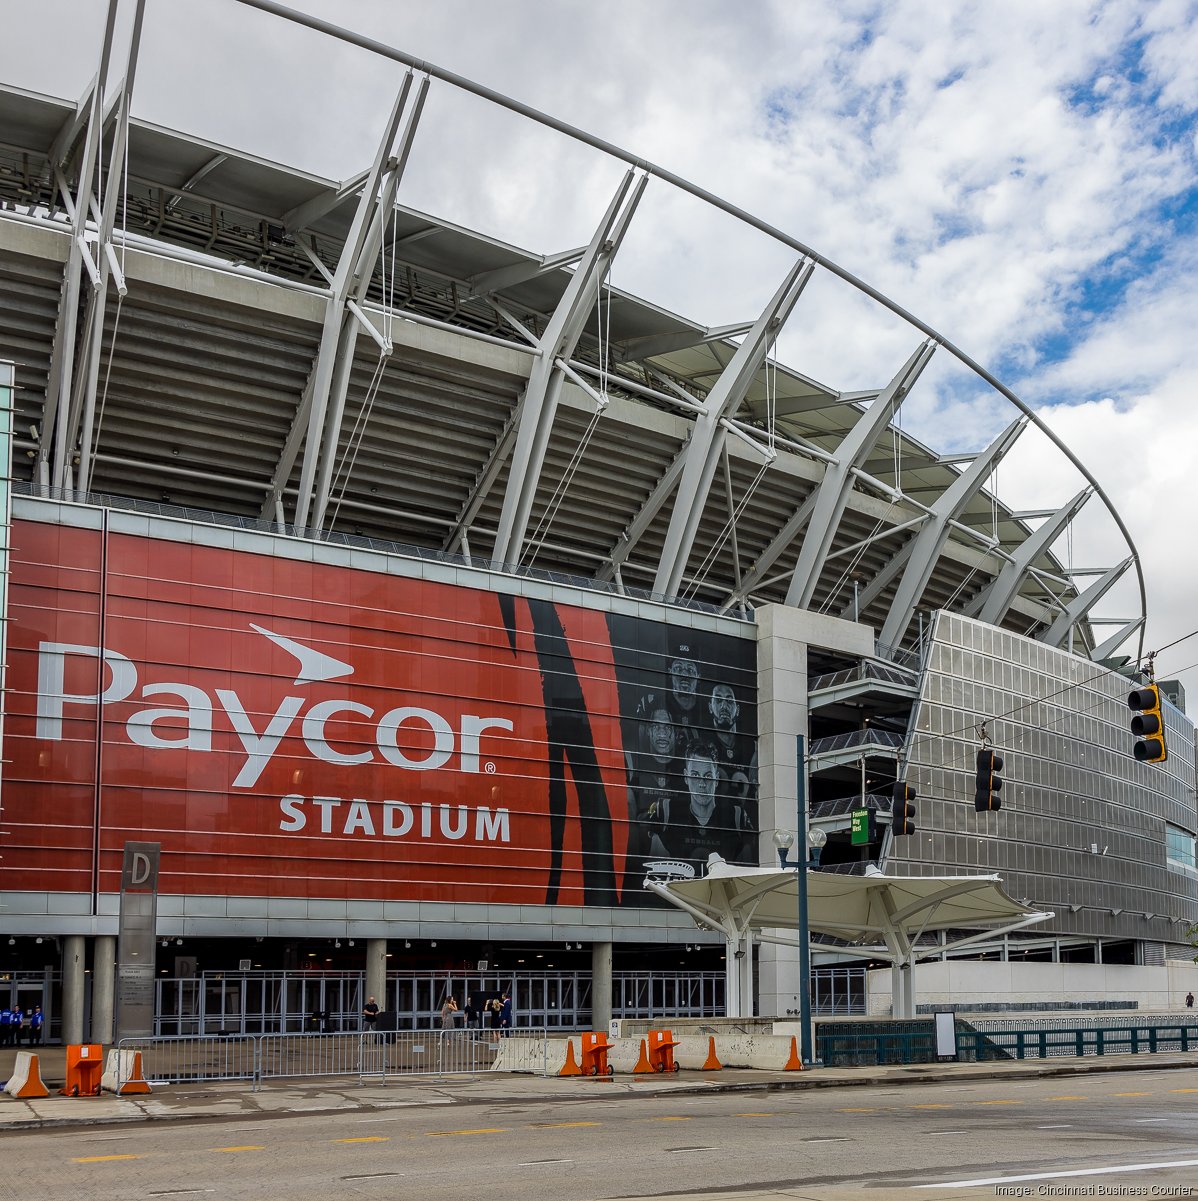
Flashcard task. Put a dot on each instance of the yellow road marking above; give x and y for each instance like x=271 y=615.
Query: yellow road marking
x=856 y=1111
x=104 y=1158
x=236 y=1148
x=672 y=1118
x=999 y=1102
x=1184 y=1090
x=372 y=1138
x=560 y=1125
x=483 y=1130
x=1131 y=1094
x=755 y=1115
x=938 y=1106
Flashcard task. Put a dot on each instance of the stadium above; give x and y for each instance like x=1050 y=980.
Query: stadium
x=412 y=595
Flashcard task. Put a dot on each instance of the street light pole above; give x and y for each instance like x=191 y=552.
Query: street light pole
x=808 y=852
x=806 y=1054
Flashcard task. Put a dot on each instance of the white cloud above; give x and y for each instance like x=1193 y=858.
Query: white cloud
x=998 y=169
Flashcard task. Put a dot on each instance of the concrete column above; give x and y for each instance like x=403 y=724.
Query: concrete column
x=600 y=985
x=73 y=952
x=103 y=988
x=376 y=971
x=732 y=1008
x=745 y=966
x=783 y=636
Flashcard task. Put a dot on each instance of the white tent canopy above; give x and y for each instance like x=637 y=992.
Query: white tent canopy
x=879 y=916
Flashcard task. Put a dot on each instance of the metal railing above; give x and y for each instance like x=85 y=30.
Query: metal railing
x=1076 y=1042
x=915 y=1042
x=369 y=1055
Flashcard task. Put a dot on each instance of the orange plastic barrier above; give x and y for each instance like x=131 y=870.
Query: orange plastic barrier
x=594 y=1054
x=661 y=1051
x=794 y=1063
x=711 y=1063
x=571 y=1067
x=85 y=1065
x=26 y=1078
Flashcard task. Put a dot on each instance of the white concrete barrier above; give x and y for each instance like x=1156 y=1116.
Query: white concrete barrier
x=123 y=1074
x=26 y=1078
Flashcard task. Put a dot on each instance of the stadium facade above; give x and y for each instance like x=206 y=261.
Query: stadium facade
x=416 y=594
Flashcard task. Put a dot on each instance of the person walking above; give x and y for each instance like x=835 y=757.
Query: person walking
x=1190 y=1000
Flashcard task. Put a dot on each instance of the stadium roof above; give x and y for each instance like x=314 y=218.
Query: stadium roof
x=194 y=326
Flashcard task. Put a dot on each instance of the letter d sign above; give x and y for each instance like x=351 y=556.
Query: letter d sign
x=140 y=872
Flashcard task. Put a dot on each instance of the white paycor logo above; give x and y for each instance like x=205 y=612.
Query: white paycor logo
x=196 y=708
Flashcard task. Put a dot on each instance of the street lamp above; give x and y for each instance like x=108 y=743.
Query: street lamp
x=813 y=842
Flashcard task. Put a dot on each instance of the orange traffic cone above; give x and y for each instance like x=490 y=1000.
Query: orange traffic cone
x=711 y=1064
x=571 y=1068
x=794 y=1063
x=137 y=1082
x=643 y=1064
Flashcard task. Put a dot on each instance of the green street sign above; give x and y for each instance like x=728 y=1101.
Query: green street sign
x=861 y=828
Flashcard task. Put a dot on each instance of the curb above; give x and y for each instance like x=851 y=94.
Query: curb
x=632 y=1086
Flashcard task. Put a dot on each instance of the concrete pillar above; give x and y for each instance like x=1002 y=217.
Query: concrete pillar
x=73 y=952
x=376 y=971
x=600 y=985
x=103 y=988
x=745 y=965
x=732 y=1007
x=783 y=636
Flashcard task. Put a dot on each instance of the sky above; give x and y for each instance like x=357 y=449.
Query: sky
x=1021 y=176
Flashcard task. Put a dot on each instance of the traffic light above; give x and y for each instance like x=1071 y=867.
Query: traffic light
x=1148 y=725
x=989 y=781
x=902 y=812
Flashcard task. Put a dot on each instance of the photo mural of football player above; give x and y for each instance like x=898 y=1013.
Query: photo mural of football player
x=687 y=704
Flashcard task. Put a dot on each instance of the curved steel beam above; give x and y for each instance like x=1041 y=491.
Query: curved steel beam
x=692 y=189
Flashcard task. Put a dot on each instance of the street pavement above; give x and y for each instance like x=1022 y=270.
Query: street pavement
x=239 y=1100
x=278 y=1098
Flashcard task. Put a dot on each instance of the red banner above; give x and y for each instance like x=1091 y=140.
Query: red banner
x=291 y=728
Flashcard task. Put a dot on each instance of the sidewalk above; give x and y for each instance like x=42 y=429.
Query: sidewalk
x=238 y=1099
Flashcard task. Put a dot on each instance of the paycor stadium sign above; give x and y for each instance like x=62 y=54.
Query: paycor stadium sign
x=293 y=728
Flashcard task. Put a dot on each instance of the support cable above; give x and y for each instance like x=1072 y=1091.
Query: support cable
x=537 y=539
x=357 y=434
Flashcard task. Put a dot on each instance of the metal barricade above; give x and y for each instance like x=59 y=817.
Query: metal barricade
x=452 y=1052
x=184 y=1058
x=281 y=1055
